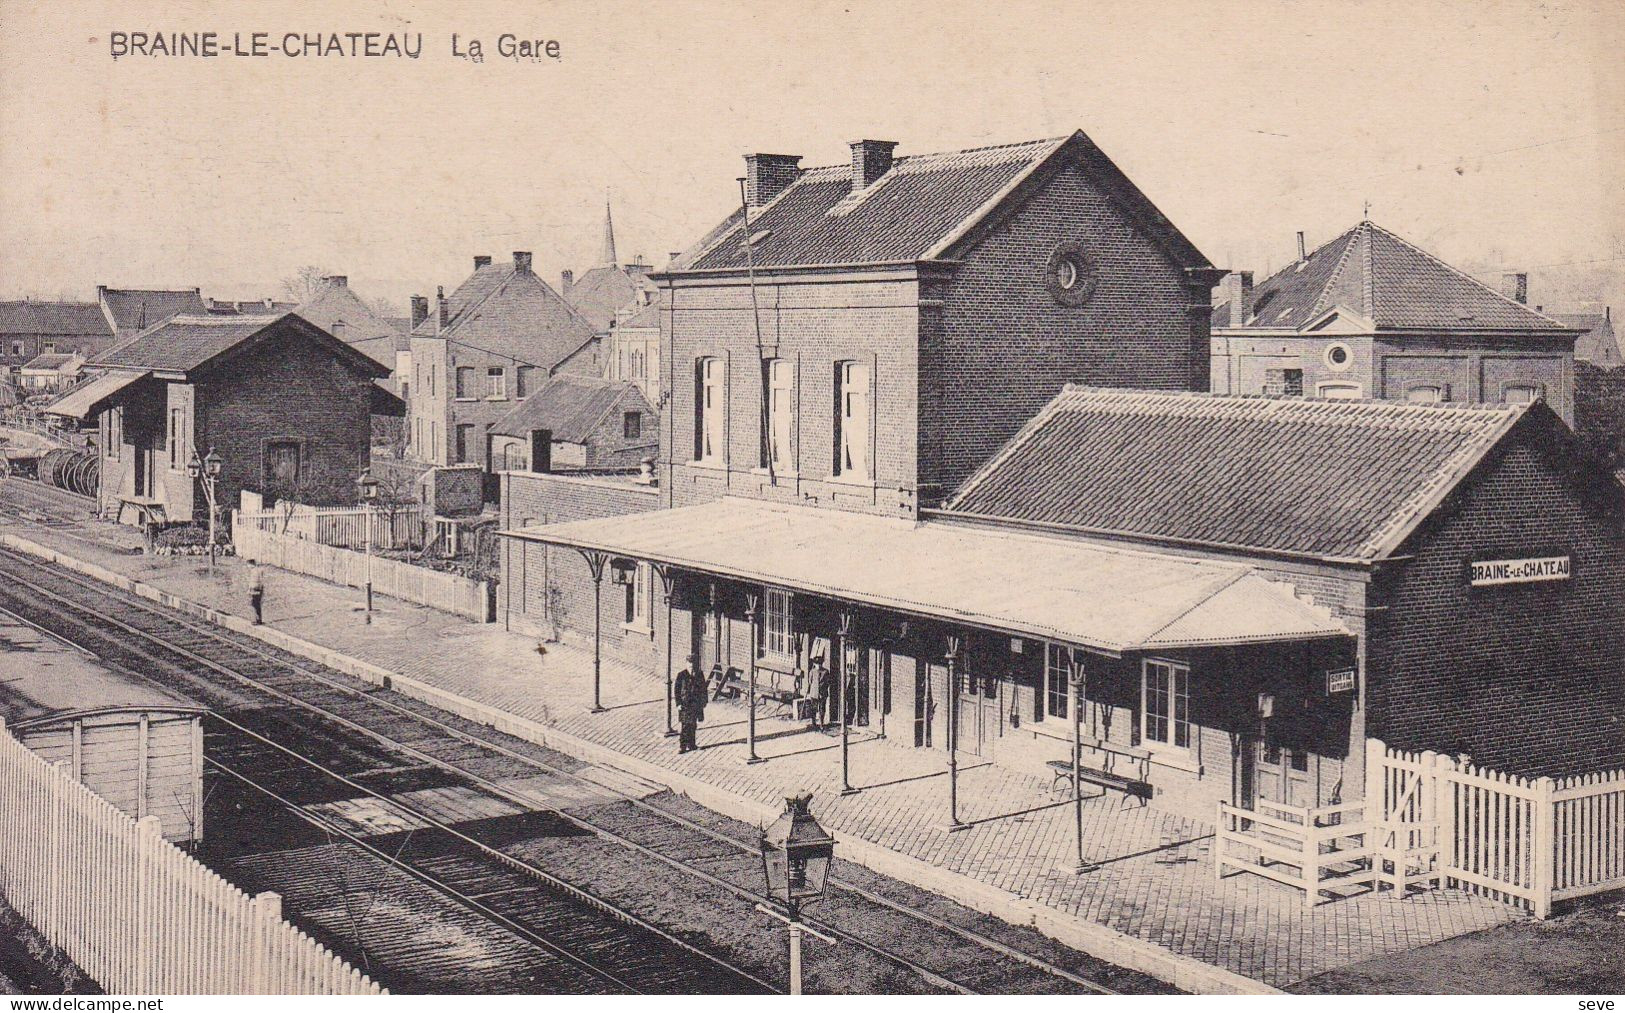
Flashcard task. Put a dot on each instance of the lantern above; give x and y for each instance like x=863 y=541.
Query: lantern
x=622 y=571
x=367 y=487
x=212 y=464
x=796 y=853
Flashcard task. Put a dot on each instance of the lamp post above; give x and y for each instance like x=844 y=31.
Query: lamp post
x=206 y=470
x=367 y=491
x=1076 y=678
x=751 y=605
x=668 y=577
x=951 y=656
x=847 y=630
x=796 y=855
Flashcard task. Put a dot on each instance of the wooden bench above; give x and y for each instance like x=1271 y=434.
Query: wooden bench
x=1131 y=787
x=730 y=681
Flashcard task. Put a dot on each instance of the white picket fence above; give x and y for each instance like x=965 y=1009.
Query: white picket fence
x=133 y=911
x=445 y=591
x=1524 y=841
x=388 y=527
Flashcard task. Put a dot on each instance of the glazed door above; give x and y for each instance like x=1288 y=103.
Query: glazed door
x=878 y=672
x=859 y=689
x=1281 y=775
x=979 y=703
x=926 y=678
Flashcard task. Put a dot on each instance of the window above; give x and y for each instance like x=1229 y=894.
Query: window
x=637 y=598
x=1522 y=393
x=1283 y=382
x=115 y=432
x=632 y=425
x=496 y=382
x=434 y=438
x=463 y=383
x=431 y=379
x=177 y=438
x=778 y=625
x=16 y=348
x=1165 y=704
x=282 y=465
x=524 y=381
x=1060 y=662
x=708 y=411
x=49 y=348
x=1339 y=356
x=1339 y=391
x=779 y=379
x=465 y=436
x=852 y=420
x=1427 y=393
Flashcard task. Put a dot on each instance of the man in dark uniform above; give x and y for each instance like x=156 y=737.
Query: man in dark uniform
x=688 y=693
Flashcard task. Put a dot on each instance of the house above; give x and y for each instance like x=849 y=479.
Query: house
x=30 y=328
x=499 y=335
x=911 y=314
x=576 y=423
x=610 y=288
x=338 y=310
x=632 y=350
x=1226 y=595
x=1370 y=315
x=50 y=372
x=129 y=311
x=1597 y=343
x=284 y=404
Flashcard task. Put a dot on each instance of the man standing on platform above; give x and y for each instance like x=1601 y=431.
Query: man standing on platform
x=688 y=692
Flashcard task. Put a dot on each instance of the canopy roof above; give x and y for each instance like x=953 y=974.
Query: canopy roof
x=83 y=402
x=1105 y=597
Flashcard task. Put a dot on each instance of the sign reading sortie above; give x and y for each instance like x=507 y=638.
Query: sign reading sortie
x=1520 y=571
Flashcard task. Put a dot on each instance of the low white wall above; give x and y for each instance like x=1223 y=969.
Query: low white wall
x=417 y=584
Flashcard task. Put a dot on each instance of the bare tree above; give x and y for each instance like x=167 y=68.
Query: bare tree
x=304 y=283
x=385 y=308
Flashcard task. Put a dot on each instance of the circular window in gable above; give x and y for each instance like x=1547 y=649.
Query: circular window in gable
x=1071 y=276
x=1339 y=357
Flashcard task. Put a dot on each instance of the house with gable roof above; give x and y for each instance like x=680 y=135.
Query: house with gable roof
x=130 y=311
x=478 y=352
x=1370 y=315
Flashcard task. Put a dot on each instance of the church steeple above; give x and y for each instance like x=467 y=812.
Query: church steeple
x=607 y=257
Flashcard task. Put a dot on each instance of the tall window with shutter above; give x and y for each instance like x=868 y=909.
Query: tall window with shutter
x=779 y=380
x=852 y=420
x=708 y=411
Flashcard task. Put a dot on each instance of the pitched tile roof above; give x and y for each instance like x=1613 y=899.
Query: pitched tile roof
x=922 y=204
x=1597 y=344
x=49 y=360
x=68 y=318
x=1387 y=280
x=187 y=341
x=544 y=331
x=470 y=293
x=143 y=307
x=648 y=316
x=363 y=329
x=603 y=292
x=1332 y=479
x=570 y=406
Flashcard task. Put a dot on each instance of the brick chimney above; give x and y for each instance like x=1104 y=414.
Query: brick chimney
x=442 y=315
x=870 y=161
x=568 y=279
x=767 y=176
x=338 y=329
x=420 y=310
x=337 y=280
x=1237 y=289
x=1303 y=254
x=1515 y=285
x=480 y=260
x=521 y=262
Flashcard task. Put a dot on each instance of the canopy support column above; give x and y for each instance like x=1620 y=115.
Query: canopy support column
x=847 y=672
x=668 y=578
x=752 y=603
x=595 y=564
x=951 y=656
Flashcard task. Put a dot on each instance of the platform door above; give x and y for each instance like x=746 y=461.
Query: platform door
x=1281 y=775
x=979 y=708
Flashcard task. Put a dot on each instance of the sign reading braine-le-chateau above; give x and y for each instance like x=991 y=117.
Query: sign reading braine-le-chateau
x=1519 y=571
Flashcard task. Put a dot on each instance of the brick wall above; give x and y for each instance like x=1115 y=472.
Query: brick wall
x=1005 y=346
x=814 y=325
x=1525 y=678
x=288 y=390
x=544 y=585
x=1599 y=413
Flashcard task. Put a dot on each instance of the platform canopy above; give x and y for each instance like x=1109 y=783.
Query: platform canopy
x=1086 y=593
x=83 y=402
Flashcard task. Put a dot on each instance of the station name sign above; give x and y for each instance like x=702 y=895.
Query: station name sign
x=1519 y=571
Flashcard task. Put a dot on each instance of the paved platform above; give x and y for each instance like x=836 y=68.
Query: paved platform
x=1151 y=901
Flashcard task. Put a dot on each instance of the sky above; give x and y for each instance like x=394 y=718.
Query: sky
x=1490 y=133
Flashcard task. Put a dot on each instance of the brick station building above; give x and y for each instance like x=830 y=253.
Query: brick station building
x=1250 y=587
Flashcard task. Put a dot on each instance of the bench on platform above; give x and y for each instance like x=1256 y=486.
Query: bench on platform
x=1106 y=780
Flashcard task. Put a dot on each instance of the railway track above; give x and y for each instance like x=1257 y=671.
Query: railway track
x=691 y=846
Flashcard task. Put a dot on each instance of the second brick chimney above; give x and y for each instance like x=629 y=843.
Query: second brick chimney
x=870 y=161
x=1237 y=289
x=1515 y=285
x=337 y=280
x=521 y=262
x=442 y=313
x=480 y=260
x=767 y=176
x=420 y=310
x=568 y=279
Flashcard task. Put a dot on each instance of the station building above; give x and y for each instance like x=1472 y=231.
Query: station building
x=1229 y=594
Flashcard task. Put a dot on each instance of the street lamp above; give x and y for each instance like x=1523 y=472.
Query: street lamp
x=207 y=470
x=1078 y=679
x=367 y=489
x=796 y=855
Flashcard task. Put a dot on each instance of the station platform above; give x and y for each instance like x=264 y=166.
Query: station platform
x=1149 y=901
